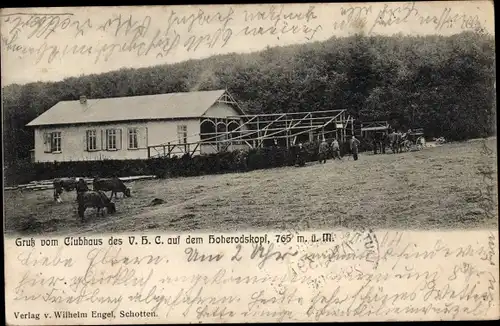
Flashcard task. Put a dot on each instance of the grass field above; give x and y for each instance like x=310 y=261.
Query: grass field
x=436 y=188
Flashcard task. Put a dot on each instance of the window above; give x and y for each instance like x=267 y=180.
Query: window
x=91 y=140
x=132 y=138
x=182 y=134
x=52 y=142
x=111 y=139
x=56 y=141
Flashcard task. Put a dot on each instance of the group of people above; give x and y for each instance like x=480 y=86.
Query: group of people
x=397 y=140
x=394 y=140
x=326 y=148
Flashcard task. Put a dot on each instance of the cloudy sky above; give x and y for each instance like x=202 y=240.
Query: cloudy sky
x=52 y=44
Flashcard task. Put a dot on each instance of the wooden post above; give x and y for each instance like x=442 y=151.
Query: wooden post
x=216 y=136
x=344 y=125
x=149 y=152
x=311 y=138
x=164 y=153
x=258 y=132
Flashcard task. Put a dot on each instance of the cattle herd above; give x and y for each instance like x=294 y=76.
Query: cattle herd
x=95 y=198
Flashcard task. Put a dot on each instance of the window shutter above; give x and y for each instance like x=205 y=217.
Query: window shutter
x=130 y=139
x=102 y=140
x=119 y=140
x=46 y=142
x=51 y=142
x=86 y=141
x=142 y=137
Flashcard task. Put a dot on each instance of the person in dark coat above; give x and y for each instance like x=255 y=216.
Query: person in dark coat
x=336 y=149
x=393 y=141
x=354 y=144
x=301 y=153
x=81 y=187
x=375 y=143
x=323 y=151
x=383 y=142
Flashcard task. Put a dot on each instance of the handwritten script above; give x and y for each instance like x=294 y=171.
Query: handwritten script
x=370 y=19
x=49 y=36
x=100 y=37
x=358 y=275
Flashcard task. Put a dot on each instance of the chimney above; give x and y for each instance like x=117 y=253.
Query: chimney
x=83 y=99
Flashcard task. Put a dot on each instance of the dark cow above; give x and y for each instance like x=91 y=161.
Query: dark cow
x=114 y=185
x=94 y=199
x=60 y=184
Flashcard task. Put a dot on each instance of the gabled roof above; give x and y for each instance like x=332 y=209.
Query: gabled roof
x=146 y=107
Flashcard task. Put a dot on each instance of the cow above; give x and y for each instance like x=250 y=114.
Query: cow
x=114 y=185
x=94 y=199
x=60 y=184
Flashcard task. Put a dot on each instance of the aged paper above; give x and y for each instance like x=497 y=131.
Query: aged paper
x=250 y=163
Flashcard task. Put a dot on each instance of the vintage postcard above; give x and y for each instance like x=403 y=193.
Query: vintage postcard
x=312 y=162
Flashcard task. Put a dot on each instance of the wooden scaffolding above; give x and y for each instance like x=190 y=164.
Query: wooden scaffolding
x=262 y=130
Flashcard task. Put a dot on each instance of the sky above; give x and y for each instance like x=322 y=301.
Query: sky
x=50 y=44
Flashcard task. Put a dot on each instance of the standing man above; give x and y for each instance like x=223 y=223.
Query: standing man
x=323 y=151
x=336 y=149
x=375 y=143
x=301 y=153
x=393 y=140
x=354 y=147
x=81 y=187
x=383 y=142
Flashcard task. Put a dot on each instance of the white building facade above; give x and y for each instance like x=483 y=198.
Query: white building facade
x=136 y=127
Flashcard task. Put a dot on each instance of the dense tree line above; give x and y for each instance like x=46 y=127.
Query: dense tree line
x=441 y=84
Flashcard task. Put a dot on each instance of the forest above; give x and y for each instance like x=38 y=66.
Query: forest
x=444 y=85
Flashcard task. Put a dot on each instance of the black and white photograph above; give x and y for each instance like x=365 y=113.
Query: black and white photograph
x=389 y=131
x=250 y=163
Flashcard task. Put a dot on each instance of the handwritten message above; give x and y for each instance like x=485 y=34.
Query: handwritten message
x=51 y=36
x=372 y=19
x=321 y=276
x=144 y=35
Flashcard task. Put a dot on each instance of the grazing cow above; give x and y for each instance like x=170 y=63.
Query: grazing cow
x=114 y=185
x=94 y=199
x=60 y=184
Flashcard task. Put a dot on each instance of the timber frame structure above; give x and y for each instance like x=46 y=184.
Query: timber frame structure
x=374 y=126
x=261 y=130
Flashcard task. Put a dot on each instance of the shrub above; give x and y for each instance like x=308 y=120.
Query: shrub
x=223 y=162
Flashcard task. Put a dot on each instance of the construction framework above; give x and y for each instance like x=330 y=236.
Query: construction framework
x=261 y=130
x=374 y=126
